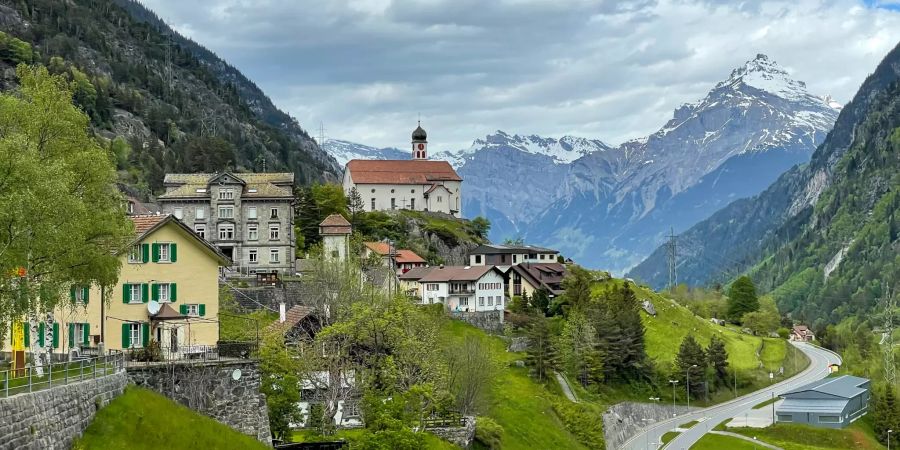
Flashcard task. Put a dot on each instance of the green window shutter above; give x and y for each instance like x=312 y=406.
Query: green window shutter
x=126 y=336
x=40 y=341
x=27 y=327
x=126 y=293
x=144 y=293
x=85 y=294
x=55 y=334
x=182 y=309
x=155 y=252
x=173 y=252
x=145 y=253
x=145 y=334
x=202 y=309
x=173 y=296
x=87 y=333
x=154 y=292
x=72 y=294
x=71 y=335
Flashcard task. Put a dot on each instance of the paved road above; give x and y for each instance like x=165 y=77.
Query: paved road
x=650 y=436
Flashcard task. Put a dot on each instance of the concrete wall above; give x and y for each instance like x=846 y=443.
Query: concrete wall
x=53 y=418
x=622 y=421
x=210 y=388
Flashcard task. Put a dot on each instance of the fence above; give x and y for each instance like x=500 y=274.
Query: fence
x=30 y=379
x=191 y=353
x=447 y=421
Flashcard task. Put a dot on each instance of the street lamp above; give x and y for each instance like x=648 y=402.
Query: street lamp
x=889 y=438
x=688 y=373
x=674 y=382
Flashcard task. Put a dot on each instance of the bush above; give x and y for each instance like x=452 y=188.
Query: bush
x=583 y=420
x=488 y=433
x=784 y=333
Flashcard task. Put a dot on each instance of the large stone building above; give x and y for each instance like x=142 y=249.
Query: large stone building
x=248 y=216
x=417 y=184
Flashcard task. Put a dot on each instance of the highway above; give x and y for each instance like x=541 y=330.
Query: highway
x=649 y=437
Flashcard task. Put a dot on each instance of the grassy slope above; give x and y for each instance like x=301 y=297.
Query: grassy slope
x=142 y=419
x=718 y=442
x=520 y=405
x=858 y=435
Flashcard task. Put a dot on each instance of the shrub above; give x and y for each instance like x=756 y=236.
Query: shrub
x=488 y=433
x=784 y=333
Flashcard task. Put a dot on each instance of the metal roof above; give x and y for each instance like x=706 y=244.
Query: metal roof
x=846 y=386
x=797 y=405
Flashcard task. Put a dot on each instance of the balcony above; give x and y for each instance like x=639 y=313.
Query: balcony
x=463 y=291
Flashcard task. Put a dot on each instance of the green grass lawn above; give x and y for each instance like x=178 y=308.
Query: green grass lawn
x=666 y=438
x=141 y=419
x=719 y=442
x=766 y=403
x=689 y=424
x=523 y=407
x=857 y=436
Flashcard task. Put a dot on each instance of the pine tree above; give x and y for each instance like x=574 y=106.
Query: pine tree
x=741 y=299
x=540 y=301
x=581 y=351
x=691 y=359
x=718 y=357
x=885 y=414
x=541 y=354
x=355 y=205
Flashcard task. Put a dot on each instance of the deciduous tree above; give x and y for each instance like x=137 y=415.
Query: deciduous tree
x=741 y=299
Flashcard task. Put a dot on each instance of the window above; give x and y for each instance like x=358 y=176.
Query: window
x=130 y=207
x=431 y=286
x=273 y=213
x=226 y=232
x=480 y=301
x=515 y=259
x=251 y=213
x=226 y=212
x=373 y=203
x=80 y=293
x=829 y=419
x=477 y=259
x=393 y=203
x=491 y=301
x=253 y=256
x=179 y=213
x=136 y=255
x=273 y=233
x=192 y=310
x=252 y=190
x=79 y=333
x=252 y=232
x=134 y=332
x=785 y=418
x=135 y=293
x=200 y=229
x=164 y=252
x=464 y=301
x=412 y=204
x=226 y=194
x=200 y=213
x=273 y=255
x=392 y=191
x=412 y=191
x=499 y=301
x=440 y=199
x=163 y=292
x=373 y=190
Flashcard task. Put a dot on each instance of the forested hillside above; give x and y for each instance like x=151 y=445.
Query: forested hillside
x=162 y=102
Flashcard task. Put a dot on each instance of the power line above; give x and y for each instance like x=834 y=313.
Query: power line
x=671 y=249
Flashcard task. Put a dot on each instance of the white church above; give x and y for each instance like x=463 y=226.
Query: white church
x=417 y=184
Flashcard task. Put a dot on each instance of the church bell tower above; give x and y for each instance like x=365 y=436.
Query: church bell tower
x=419 y=143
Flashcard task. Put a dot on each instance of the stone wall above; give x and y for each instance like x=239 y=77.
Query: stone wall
x=251 y=298
x=53 y=418
x=460 y=436
x=490 y=321
x=210 y=388
x=623 y=420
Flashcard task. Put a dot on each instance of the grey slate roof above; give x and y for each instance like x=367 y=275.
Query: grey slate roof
x=846 y=386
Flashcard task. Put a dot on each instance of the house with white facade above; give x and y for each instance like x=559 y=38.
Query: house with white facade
x=463 y=288
x=510 y=255
x=416 y=184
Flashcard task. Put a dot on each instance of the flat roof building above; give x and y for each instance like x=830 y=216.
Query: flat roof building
x=827 y=403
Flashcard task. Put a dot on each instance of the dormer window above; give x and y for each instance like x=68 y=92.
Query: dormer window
x=201 y=190
x=226 y=194
x=252 y=190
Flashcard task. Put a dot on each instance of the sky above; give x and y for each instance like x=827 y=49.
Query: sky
x=601 y=69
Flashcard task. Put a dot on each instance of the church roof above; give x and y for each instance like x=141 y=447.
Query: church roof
x=364 y=171
x=419 y=134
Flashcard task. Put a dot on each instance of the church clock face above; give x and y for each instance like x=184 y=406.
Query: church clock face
x=421 y=146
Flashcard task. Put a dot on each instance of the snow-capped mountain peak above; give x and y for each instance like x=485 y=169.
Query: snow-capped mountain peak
x=563 y=150
x=344 y=151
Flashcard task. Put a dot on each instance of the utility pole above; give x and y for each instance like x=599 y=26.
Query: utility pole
x=670 y=253
x=674 y=414
x=322 y=135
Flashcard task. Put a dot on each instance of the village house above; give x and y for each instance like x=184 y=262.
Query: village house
x=409 y=281
x=402 y=260
x=526 y=278
x=802 y=333
x=248 y=216
x=417 y=184
x=168 y=291
x=462 y=288
x=510 y=255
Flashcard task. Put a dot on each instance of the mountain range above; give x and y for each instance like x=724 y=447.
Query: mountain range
x=824 y=238
x=610 y=206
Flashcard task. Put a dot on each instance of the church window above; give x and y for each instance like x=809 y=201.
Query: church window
x=393 y=203
x=392 y=191
x=373 y=190
x=412 y=204
x=373 y=204
x=440 y=199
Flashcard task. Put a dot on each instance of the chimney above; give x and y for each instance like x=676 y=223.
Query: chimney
x=282 y=313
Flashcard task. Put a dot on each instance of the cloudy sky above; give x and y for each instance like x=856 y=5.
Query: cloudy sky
x=611 y=70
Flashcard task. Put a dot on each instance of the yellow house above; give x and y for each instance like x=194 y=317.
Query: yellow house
x=168 y=291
